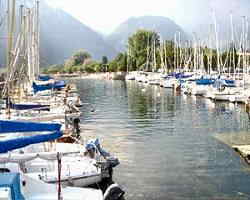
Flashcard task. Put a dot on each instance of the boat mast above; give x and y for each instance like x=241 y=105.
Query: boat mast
x=154 y=52
x=232 y=43
x=165 y=55
x=11 y=4
x=217 y=44
x=178 y=52
x=147 y=61
x=37 y=40
x=244 y=48
x=175 y=53
x=195 y=54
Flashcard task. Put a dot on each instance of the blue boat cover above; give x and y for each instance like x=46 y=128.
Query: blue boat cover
x=44 y=78
x=12 y=144
x=12 y=181
x=50 y=86
x=172 y=74
x=36 y=107
x=205 y=81
x=7 y=126
x=182 y=75
x=179 y=75
x=230 y=83
x=222 y=82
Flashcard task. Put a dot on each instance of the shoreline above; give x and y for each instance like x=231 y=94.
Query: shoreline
x=101 y=75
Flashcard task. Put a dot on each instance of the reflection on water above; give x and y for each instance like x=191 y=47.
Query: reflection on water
x=165 y=141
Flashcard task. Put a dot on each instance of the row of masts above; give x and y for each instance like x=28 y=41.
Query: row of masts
x=190 y=55
x=22 y=56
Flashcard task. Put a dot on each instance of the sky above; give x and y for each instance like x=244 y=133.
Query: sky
x=105 y=16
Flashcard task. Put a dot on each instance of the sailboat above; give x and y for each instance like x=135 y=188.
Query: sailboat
x=130 y=75
x=39 y=161
x=18 y=184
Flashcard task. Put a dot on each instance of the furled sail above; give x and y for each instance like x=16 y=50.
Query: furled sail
x=21 y=142
x=37 y=107
x=44 y=78
x=50 y=86
x=8 y=126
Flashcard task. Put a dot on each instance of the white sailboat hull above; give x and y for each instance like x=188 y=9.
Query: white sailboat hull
x=38 y=190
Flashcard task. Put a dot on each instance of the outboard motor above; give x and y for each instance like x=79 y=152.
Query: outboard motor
x=114 y=192
x=110 y=161
x=102 y=151
x=113 y=162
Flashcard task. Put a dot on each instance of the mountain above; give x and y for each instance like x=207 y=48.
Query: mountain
x=61 y=35
x=163 y=25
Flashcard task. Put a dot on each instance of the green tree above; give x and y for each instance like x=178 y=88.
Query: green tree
x=104 y=64
x=78 y=59
x=141 y=46
x=69 y=63
x=119 y=63
x=80 y=56
x=104 y=60
x=53 y=69
x=91 y=67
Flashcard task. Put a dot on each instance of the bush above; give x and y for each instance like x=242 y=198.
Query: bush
x=53 y=69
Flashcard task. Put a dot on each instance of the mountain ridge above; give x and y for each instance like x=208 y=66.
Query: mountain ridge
x=164 y=26
x=61 y=35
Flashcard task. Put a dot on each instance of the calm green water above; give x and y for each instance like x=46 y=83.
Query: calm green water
x=165 y=141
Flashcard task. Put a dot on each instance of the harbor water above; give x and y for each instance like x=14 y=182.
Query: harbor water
x=166 y=141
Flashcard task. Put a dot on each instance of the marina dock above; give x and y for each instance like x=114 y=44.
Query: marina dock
x=239 y=142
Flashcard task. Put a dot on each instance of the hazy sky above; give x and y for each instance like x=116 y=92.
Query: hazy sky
x=104 y=16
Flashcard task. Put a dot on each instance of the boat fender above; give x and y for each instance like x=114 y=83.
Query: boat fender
x=113 y=192
x=23 y=183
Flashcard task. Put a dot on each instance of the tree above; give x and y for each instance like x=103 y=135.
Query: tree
x=119 y=63
x=104 y=60
x=91 y=67
x=69 y=62
x=80 y=56
x=141 y=47
x=53 y=69
x=104 y=64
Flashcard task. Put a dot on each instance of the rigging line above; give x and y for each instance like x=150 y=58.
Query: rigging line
x=2 y=16
x=2 y=19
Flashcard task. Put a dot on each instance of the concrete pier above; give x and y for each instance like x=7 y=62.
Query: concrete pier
x=240 y=142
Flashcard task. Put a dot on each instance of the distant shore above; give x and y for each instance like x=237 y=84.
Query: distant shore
x=101 y=75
